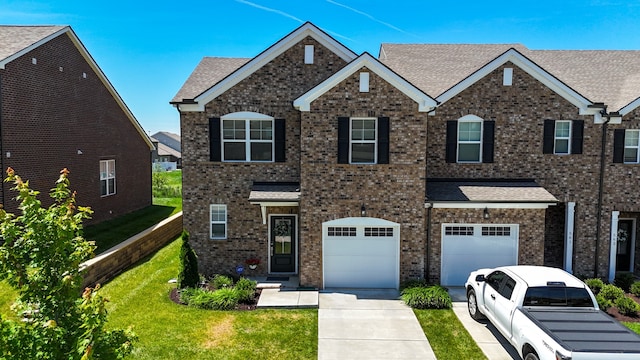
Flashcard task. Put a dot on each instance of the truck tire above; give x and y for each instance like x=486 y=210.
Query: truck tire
x=531 y=356
x=472 y=305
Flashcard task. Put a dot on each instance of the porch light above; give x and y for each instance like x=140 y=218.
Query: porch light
x=485 y=213
x=363 y=210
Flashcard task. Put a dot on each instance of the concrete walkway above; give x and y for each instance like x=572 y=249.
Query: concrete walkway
x=369 y=324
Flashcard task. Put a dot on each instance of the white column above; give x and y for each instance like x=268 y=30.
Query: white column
x=570 y=213
x=614 y=245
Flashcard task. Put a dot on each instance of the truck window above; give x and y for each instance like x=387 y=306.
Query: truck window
x=557 y=296
x=495 y=279
x=507 y=289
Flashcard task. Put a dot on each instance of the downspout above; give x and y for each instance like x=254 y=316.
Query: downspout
x=429 y=206
x=600 y=191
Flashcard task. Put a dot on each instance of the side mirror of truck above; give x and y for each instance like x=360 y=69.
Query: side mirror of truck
x=480 y=278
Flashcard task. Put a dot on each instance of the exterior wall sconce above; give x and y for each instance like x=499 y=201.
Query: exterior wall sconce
x=485 y=213
x=363 y=210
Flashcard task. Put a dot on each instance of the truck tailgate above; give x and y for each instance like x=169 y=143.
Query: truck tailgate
x=585 y=330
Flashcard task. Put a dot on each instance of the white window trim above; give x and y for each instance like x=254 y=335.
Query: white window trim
x=636 y=146
x=247 y=116
x=568 y=138
x=109 y=164
x=211 y=222
x=351 y=141
x=468 y=119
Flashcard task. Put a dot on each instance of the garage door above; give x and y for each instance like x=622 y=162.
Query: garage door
x=469 y=247
x=361 y=253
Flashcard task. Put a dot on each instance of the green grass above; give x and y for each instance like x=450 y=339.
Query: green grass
x=633 y=326
x=139 y=298
x=447 y=336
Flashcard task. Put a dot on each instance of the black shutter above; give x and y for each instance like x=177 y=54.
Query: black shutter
x=215 y=143
x=548 y=136
x=383 y=140
x=280 y=140
x=343 y=140
x=618 y=145
x=488 y=135
x=577 y=130
x=452 y=141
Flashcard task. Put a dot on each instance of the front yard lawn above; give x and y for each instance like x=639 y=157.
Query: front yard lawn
x=139 y=297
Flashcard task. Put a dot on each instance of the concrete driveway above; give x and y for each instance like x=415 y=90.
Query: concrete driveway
x=368 y=324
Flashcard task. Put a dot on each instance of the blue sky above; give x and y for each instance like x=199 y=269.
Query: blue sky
x=147 y=49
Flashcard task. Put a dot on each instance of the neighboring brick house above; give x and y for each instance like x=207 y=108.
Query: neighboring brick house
x=168 y=150
x=58 y=110
x=429 y=162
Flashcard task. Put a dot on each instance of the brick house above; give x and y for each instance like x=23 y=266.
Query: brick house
x=58 y=110
x=426 y=162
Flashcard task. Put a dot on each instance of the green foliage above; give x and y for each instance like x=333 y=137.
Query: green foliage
x=603 y=303
x=624 y=281
x=611 y=292
x=222 y=281
x=432 y=297
x=188 y=277
x=40 y=258
x=594 y=284
x=246 y=284
x=626 y=306
x=187 y=294
x=411 y=283
x=635 y=288
x=223 y=299
x=246 y=290
x=166 y=184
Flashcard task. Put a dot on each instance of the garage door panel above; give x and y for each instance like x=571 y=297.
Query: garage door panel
x=371 y=247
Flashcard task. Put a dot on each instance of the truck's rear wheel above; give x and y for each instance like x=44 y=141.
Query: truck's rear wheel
x=472 y=305
x=531 y=356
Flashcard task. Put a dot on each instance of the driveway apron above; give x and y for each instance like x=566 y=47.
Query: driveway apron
x=368 y=324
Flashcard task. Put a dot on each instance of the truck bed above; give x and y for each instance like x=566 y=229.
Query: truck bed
x=584 y=330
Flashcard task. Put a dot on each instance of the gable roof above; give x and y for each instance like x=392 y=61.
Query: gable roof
x=164 y=149
x=609 y=76
x=222 y=85
x=425 y=102
x=15 y=41
x=210 y=70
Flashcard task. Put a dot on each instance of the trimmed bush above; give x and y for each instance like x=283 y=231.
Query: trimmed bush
x=188 y=276
x=611 y=292
x=432 y=297
x=603 y=303
x=413 y=283
x=624 y=281
x=246 y=284
x=635 y=288
x=626 y=306
x=594 y=284
x=222 y=281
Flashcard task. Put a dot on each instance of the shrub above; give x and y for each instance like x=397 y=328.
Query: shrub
x=624 y=281
x=611 y=292
x=412 y=283
x=594 y=284
x=626 y=306
x=188 y=277
x=224 y=299
x=201 y=299
x=603 y=303
x=635 y=288
x=187 y=294
x=246 y=284
x=432 y=297
x=222 y=281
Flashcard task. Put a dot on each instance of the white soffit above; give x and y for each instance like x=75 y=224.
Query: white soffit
x=307 y=29
x=425 y=102
x=530 y=68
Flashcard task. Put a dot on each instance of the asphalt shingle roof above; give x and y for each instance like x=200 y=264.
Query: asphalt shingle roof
x=16 y=38
x=487 y=191
x=209 y=72
x=275 y=192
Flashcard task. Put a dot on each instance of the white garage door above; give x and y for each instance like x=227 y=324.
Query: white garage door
x=361 y=253
x=468 y=247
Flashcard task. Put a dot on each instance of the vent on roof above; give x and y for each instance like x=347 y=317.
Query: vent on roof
x=364 y=82
x=507 y=78
x=308 y=54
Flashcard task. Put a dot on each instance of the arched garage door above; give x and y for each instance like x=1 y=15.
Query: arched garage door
x=361 y=253
x=469 y=247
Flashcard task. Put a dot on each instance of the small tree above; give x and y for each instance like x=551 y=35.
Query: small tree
x=188 y=276
x=40 y=258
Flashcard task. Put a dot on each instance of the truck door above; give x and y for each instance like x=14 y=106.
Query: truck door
x=504 y=306
x=493 y=282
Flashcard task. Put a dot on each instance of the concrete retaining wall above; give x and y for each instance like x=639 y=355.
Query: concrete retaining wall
x=107 y=265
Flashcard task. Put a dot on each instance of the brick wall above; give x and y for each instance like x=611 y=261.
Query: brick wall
x=51 y=112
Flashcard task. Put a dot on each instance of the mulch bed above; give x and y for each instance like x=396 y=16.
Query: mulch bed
x=175 y=297
x=616 y=315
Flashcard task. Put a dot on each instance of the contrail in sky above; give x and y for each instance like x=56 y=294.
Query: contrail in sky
x=370 y=17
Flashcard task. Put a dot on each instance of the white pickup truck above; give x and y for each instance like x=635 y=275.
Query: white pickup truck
x=548 y=314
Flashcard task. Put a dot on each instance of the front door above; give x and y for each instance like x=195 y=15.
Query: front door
x=625 y=241
x=283 y=243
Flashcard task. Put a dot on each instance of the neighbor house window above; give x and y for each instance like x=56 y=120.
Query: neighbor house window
x=469 y=140
x=218 y=215
x=247 y=139
x=363 y=144
x=632 y=146
x=107 y=177
x=562 y=137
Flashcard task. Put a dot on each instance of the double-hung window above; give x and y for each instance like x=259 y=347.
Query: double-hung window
x=632 y=146
x=469 y=140
x=107 y=177
x=218 y=216
x=562 y=137
x=247 y=139
x=363 y=146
